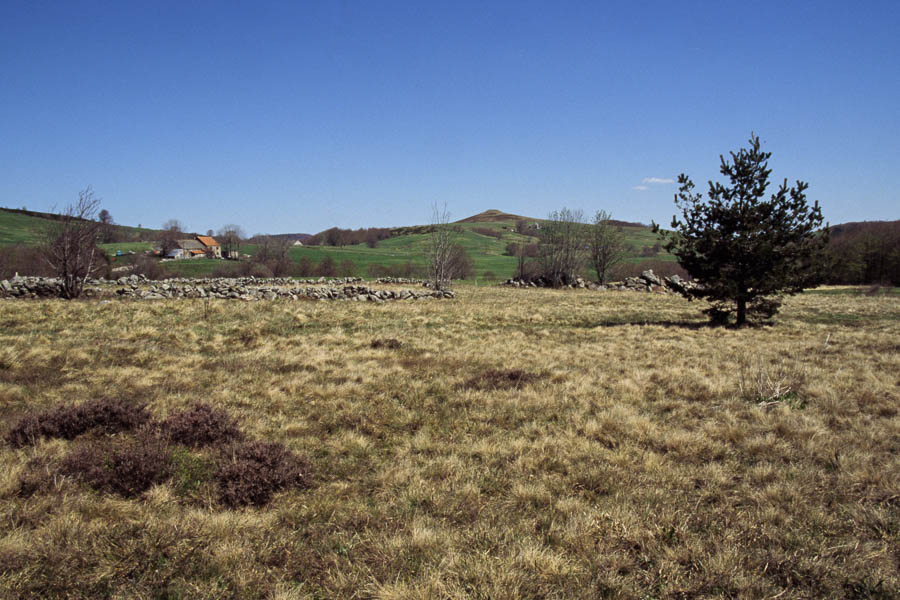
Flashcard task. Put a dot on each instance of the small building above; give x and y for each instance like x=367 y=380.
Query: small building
x=210 y=245
x=298 y=243
x=187 y=249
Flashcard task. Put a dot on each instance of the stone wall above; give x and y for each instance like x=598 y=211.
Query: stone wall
x=647 y=282
x=242 y=288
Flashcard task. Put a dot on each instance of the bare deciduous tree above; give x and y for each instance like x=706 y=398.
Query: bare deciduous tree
x=606 y=244
x=274 y=252
x=230 y=236
x=72 y=244
x=171 y=233
x=439 y=249
x=562 y=251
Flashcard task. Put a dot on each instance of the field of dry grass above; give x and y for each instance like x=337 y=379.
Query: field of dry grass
x=514 y=444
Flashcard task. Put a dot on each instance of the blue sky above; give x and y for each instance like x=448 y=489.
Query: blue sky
x=298 y=116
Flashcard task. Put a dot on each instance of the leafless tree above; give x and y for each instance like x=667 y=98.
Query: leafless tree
x=230 y=236
x=439 y=248
x=71 y=248
x=274 y=252
x=172 y=231
x=562 y=251
x=606 y=244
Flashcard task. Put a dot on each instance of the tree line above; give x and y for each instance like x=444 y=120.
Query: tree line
x=864 y=253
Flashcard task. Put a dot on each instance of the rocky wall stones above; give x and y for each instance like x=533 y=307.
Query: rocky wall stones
x=242 y=288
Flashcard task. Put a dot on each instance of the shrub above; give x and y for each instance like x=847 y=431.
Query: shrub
x=128 y=469
x=68 y=422
x=24 y=260
x=346 y=268
x=305 y=267
x=389 y=343
x=326 y=268
x=149 y=267
x=488 y=232
x=200 y=425
x=251 y=472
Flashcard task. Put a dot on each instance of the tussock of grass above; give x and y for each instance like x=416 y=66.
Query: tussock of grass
x=639 y=464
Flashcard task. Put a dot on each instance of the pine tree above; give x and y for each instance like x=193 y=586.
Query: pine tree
x=743 y=250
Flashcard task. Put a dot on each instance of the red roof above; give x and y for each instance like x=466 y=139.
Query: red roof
x=207 y=241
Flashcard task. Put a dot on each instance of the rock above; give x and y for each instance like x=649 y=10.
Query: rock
x=650 y=277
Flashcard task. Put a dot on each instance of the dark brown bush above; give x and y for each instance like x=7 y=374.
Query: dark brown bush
x=150 y=267
x=127 y=469
x=389 y=343
x=502 y=379
x=200 y=425
x=488 y=232
x=249 y=473
x=69 y=421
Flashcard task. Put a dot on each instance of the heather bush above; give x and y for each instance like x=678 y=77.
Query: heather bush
x=250 y=473
x=127 y=469
x=200 y=425
x=389 y=343
x=69 y=421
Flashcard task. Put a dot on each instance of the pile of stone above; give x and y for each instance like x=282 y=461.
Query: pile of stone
x=648 y=281
x=236 y=290
x=543 y=282
x=651 y=282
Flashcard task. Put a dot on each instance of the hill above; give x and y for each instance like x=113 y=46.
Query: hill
x=493 y=215
x=20 y=226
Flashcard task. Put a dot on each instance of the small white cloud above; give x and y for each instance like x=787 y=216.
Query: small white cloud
x=640 y=188
x=658 y=180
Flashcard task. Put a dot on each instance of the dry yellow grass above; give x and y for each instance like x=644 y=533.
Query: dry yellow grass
x=652 y=457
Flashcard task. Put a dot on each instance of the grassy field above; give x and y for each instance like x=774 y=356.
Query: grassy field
x=517 y=444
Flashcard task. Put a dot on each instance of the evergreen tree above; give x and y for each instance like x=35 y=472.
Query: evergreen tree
x=743 y=250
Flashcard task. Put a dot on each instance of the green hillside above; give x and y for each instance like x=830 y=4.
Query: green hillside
x=20 y=228
x=484 y=236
